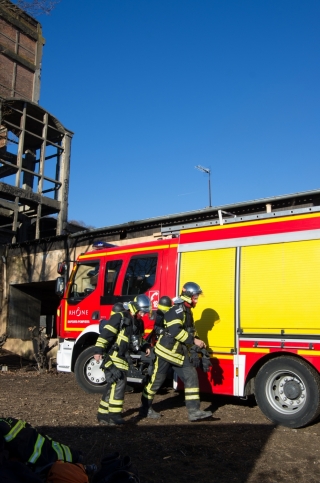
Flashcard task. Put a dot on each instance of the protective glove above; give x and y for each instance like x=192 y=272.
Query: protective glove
x=194 y=358
x=205 y=361
x=113 y=374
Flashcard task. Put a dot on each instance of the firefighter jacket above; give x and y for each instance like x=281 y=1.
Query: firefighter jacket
x=115 y=338
x=25 y=443
x=179 y=332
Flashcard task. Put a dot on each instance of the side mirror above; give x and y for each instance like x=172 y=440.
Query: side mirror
x=60 y=286
x=62 y=268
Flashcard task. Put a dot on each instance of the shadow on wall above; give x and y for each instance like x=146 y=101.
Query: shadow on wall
x=206 y=323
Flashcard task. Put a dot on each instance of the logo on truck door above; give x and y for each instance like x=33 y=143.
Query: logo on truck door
x=81 y=315
x=154 y=297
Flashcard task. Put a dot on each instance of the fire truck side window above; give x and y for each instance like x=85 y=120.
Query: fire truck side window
x=84 y=281
x=141 y=275
x=112 y=273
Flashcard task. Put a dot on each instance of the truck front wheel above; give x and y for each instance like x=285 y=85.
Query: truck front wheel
x=88 y=374
x=287 y=391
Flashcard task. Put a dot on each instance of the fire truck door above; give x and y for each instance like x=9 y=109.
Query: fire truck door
x=83 y=296
x=214 y=315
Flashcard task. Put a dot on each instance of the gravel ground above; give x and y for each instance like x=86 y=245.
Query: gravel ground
x=237 y=444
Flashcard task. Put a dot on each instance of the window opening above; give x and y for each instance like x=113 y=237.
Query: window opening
x=112 y=272
x=84 y=281
x=141 y=275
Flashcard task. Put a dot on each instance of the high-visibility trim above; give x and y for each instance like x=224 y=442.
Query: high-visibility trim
x=104 y=403
x=247 y=349
x=147 y=392
x=102 y=341
x=192 y=397
x=67 y=452
x=122 y=337
x=173 y=322
x=115 y=404
x=306 y=352
x=57 y=448
x=103 y=411
x=111 y=328
x=191 y=389
x=14 y=431
x=128 y=250
x=115 y=410
x=119 y=363
x=37 y=449
x=168 y=356
x=182 y=336
x=164 y=308
x=170 y=352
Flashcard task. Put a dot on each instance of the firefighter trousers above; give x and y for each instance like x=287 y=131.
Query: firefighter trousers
x=113 y=397
x=188 y=375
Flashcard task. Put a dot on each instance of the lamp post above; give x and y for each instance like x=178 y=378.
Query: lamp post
x=207 y=171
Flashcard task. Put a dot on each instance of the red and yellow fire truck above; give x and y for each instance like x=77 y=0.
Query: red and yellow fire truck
x=259 y=314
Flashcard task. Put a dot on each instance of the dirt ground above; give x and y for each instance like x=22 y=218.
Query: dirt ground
x=237 y=444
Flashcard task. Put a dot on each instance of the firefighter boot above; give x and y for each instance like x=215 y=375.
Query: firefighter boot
x=195 y=414
x=115 y=419
x=150 y=413
x=103 y=419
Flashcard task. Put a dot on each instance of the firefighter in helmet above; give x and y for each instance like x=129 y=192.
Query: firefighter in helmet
x=172 y=351
x=118 y=333
x=165 y=303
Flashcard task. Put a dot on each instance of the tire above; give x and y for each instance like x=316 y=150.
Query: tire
x=287 y=391
x=88 y=374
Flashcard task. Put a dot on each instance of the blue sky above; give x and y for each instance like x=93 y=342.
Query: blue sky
x=152 y=88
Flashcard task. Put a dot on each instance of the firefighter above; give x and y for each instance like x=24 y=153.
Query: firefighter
x=172 y=351
x=27 y=445
x=118 y=334
x=165 y=303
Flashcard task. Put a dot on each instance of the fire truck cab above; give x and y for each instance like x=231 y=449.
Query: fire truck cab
x=98 y=280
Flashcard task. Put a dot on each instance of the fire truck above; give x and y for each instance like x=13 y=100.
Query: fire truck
x=259 y=314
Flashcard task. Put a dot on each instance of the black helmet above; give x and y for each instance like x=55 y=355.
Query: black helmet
x=141 y=303
x=165 y=303
x=118 y=307
x=189 y=290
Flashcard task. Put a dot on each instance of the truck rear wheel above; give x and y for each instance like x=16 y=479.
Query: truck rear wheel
x=287 y=391
x=88 y=374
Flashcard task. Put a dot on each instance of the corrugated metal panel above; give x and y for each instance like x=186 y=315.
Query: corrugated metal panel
x=24 y=312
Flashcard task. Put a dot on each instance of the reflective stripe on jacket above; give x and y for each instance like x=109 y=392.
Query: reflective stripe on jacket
x=170 y=344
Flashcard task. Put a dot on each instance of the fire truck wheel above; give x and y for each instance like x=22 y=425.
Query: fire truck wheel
x=287 y=391
x=88 y=374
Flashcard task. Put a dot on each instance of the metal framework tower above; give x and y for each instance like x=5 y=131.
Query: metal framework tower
x=35 y=163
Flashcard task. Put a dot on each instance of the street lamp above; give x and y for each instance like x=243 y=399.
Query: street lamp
x=207 y=171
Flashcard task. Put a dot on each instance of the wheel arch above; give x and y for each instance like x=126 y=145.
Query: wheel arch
x=85 y=340
x=249 y=387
